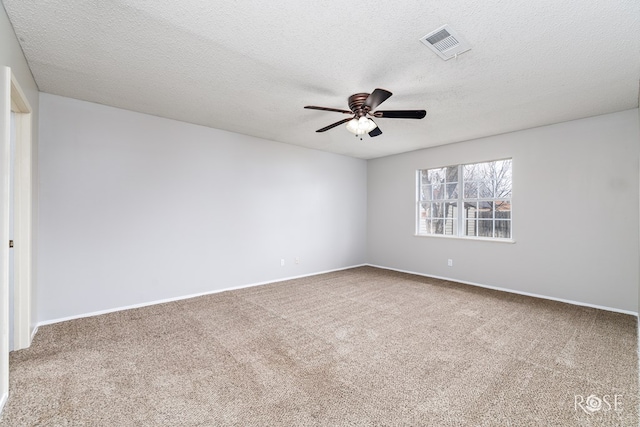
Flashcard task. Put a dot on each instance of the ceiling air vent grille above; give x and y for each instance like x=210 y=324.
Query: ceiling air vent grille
x=445 y=42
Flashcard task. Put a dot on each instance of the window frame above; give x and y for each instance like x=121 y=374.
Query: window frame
x=460 y=201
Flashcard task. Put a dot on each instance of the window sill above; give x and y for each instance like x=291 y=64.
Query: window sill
x=481 y=239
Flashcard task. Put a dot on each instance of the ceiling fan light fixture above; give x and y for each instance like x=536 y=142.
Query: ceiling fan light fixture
x=363 y=105
x=360 y=126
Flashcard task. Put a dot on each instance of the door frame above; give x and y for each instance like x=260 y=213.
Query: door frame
x=12 y=98
x=23 y=219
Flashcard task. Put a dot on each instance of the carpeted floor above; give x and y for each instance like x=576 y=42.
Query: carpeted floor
x=358 y=347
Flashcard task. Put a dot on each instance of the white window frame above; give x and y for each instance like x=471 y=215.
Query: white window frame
x=460 y=200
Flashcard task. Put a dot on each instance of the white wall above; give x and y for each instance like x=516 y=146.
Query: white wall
x=575 y=213
x=136 y=208
x=11 y=56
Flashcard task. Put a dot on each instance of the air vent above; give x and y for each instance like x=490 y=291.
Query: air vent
x=445 y=42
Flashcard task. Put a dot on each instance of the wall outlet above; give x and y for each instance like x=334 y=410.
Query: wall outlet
x=297 y=260
x=281 y=262
x=450 y=262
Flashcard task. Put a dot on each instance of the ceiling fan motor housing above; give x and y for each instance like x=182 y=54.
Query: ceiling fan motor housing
x=356 y=104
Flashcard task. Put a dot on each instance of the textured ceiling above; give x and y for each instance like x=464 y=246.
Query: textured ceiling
x=250 y=67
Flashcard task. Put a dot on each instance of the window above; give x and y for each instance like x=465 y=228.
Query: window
x=472 y=200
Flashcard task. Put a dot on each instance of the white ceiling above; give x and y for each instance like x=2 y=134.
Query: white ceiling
x=250 y=67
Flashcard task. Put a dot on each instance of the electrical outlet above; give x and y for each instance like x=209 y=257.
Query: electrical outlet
x=450 y=262
x=297 y=260
x=281 y=262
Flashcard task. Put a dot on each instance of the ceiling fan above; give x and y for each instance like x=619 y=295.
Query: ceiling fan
x=361 y=106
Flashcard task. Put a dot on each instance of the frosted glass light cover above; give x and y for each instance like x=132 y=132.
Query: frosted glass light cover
x=360 y=126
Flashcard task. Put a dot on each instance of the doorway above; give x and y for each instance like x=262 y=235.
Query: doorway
x=16 y=192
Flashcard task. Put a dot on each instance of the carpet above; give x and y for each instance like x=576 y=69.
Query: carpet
x=364 y=346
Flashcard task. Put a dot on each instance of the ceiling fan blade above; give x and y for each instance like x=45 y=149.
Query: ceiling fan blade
x=313 y=107
x=375 y=132
x=331 y=126
x=376 y=98
x=400 y=114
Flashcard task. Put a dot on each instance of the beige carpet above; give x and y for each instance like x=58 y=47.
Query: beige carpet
x=359 y=347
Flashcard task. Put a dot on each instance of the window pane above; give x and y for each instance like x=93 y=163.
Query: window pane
x=502 y=191
x=503 y=210
x=452 y=174
x=471 y=190
x=485 y=189
x=484 y=170
x=485 y=228
x=424 y=177
x=470 y=209
x=422 y=217
x=502 y=177
x=451 y=215
x=485 y=210
x=436 y=226
x=435 y=210
x=429 y=227
x=428 y=210
x=451 y=209
x=452 y=191
x=438 y=191
x=469 y=172
x=503 y=229
x=436 y=176
x=503 y=188
x=450 y=227
x=471 y=227
x=425 y=193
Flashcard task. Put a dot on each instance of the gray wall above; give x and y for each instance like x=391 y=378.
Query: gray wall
x=136 y=208
x=11 y=56
x=575 y=213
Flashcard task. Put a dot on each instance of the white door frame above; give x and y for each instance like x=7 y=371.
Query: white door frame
x=22 y=228
x=13 y=99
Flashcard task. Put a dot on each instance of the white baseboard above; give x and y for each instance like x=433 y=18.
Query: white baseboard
x=183 y=297
x=33 y=334
x=512 y=291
